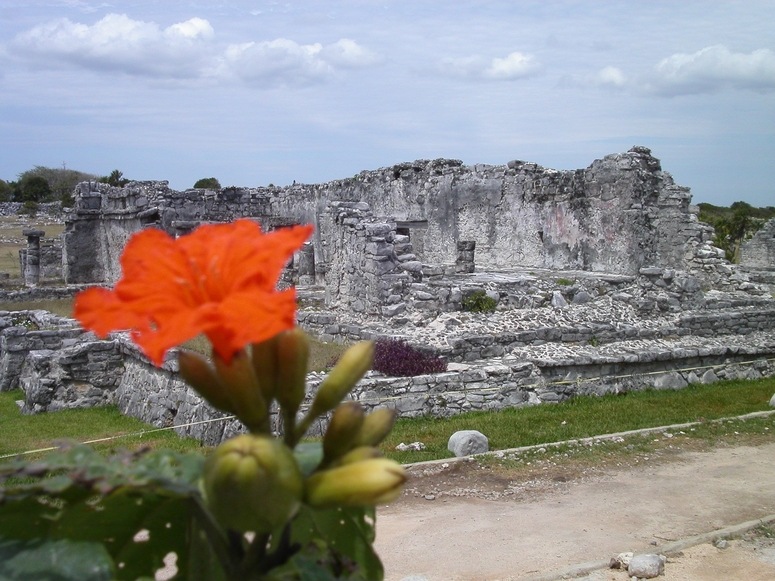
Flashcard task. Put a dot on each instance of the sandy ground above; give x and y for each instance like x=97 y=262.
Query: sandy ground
x=466 y=522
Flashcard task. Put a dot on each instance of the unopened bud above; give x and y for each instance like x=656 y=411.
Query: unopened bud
x=376 y=426
x=346 y=373
x=241 y=386
x=200 y=375
x=292 y=358
x=359 y=454
x=263 y=355
x=252 y=483
x=365 y=483
x=343 y=429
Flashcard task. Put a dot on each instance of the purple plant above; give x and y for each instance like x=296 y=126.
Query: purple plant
x=397 y=358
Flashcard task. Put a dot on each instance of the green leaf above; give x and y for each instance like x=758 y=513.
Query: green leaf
x=348 y=534
x=47 y=560
x=308 y=456
x=115 y=503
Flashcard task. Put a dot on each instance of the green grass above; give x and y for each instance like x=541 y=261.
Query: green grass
x=11 y=228
x=61 y=307
x=21 y=433
x=582 y=417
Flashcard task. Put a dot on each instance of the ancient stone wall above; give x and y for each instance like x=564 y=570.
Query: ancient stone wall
x=23 y=332
x=114 y=372
x=757 y=256
x=618 y=215
x=759 y=251
x=50 y=259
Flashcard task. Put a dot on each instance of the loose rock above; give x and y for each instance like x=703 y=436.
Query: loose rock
x=467 y=442
x=647 y=566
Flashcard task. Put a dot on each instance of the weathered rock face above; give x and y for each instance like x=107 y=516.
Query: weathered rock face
x=618 y=215
x=759 y=251
x=757 y=255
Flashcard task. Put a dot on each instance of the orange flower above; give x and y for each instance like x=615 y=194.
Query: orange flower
x=219 y=280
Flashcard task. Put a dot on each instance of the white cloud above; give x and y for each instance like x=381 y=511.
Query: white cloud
x=611 y=77
x=515 y=65
x=280 y=61
x=184 y=50
x=714 y=68
x=286 y=62
x=117 y=42
x=191 y=29
x=347 y=53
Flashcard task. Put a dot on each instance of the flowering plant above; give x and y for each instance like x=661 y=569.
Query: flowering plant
x=260 y=506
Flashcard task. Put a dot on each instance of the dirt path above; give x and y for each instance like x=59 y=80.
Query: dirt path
x=466 y=523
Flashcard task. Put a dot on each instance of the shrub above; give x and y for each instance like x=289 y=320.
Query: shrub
x=399 y=359
x=208 y=184
x=564 y=281
x=479 y=302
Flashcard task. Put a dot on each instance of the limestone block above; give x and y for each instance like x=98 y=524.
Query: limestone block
x=772 y=401
x=558 y=301
x=467 y=442
x=670 y=380
x=646 y=566
x=581 y=297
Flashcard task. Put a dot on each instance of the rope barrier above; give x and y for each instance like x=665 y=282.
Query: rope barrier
x=380 y=400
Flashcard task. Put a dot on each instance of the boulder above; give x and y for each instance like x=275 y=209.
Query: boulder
x=467 y=442
x=646 y=566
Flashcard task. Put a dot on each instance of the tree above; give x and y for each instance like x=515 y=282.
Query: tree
x=208 y=184
x=61 y=181
x=6 y=191
x=116 y=179
x=32 y=189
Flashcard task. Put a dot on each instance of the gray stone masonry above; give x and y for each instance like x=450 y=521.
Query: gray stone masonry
x=757 y=256
x=618 y=215
x=80 y=371
x=25 y=332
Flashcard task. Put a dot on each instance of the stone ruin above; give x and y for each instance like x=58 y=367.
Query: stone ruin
x=604 y=279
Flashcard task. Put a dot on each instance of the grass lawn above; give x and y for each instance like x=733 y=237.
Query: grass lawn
x=511 y=428
x=21 y=433
x=583 y=417
x=11 y=232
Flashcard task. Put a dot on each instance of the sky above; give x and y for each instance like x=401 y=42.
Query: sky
x=267 y=92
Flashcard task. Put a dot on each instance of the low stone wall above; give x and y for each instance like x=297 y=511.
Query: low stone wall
x=473 y=347
x=24 y=332
x=114 y=372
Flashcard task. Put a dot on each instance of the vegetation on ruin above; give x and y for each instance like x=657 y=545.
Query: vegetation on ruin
x=734 y=225
x=479 y=302
x=208 y=184
x=564 y=281
x=397 y=358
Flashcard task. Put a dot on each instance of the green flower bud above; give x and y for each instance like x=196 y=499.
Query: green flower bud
x=346 y=373
x=358 y=455
x=241 y=386
x=342 y=431
x=263 y=355
x=252 y=483
x=364 y=483
x=376 y=426
x=292 y=358
x=200 y=375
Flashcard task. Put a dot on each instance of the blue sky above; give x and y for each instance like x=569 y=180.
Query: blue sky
x=264 y=92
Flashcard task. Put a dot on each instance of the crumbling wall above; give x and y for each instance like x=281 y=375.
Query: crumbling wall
x=618 y=215
x=759 y=252
x=365 y=273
